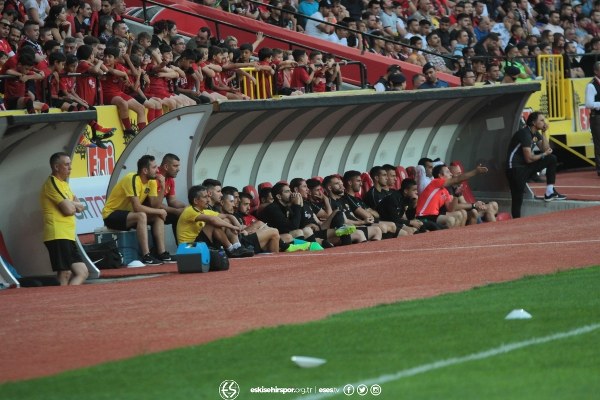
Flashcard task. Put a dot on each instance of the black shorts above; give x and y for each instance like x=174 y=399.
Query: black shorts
x=203 y=238
x=251 y=240
x=117 y=220
x=139 y=98
x=63 y=254
x=57 y=103
x=11 y=102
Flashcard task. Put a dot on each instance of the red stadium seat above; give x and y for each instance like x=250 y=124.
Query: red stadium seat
x=470 y=197
x=400 y=176
x=411 y=172
x=467 y=192
x=367 y=182
x=251 y=190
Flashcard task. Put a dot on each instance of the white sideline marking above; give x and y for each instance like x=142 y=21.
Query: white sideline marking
x=420 y=250
x=459 y=360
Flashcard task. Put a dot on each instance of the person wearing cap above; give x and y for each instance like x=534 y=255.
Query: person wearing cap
x=511 y=73
x=397 y=82
x=384 y=84
x=307 y=8
x=512 y=52
x=315 y=26
x=592 y=102
x=431 y=79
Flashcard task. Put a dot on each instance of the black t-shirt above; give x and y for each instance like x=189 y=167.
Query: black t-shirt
x=522 y=138
x=373 y=197
x=283 y=218
x=346 y=205
x=396 y=208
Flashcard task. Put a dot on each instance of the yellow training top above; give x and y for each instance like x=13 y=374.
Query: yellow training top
x=56 y=224
x=187 y=226
x=131 y=185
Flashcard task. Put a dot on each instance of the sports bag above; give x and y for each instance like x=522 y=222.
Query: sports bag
x=218 y=260
x=104 y=255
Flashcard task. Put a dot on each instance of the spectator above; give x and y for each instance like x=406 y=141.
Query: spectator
x=178 y=46
x=202 y=39
x=307 y=8
x=418 y=80
x=511 y=74
x=384 y=84
x=4 y=38
x=432 y=81
x=105 y=27
x=37 y=10
x=522 y=163
x=70 y=45
x=467 y=78
x=57 y=22
x=434 y=46
x=117 y=77
x=315 y=26
x=124 y=208
x=493 y=74
x=301 y=77
x=16 y=95
x=59 y=206
x=82 y=20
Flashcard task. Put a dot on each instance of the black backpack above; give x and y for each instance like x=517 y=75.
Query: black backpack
x=218 y=260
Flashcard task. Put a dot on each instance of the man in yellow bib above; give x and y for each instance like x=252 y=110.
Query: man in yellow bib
x=125 y=209
x=197 y=223
x=59 y=206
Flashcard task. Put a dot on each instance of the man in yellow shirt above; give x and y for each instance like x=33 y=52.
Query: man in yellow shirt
x=199 y=224
x=59 y=207
x=125 y=209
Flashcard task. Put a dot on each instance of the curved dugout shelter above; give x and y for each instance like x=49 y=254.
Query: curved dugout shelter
x=244 y=143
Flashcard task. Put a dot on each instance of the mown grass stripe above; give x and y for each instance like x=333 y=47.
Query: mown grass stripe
x=459 y=360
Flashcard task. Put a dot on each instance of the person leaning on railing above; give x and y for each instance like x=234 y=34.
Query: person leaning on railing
x=16 y=94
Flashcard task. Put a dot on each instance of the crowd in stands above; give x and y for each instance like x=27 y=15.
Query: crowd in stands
x=452 y=33
x=42 y=42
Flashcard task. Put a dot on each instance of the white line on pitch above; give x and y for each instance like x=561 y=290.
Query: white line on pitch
x=459 y=360
x=481 y=246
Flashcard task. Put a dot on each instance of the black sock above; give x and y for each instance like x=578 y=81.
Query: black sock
x=389 y=235
x=283 y=245
x=311 y=238
x=346 y=240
